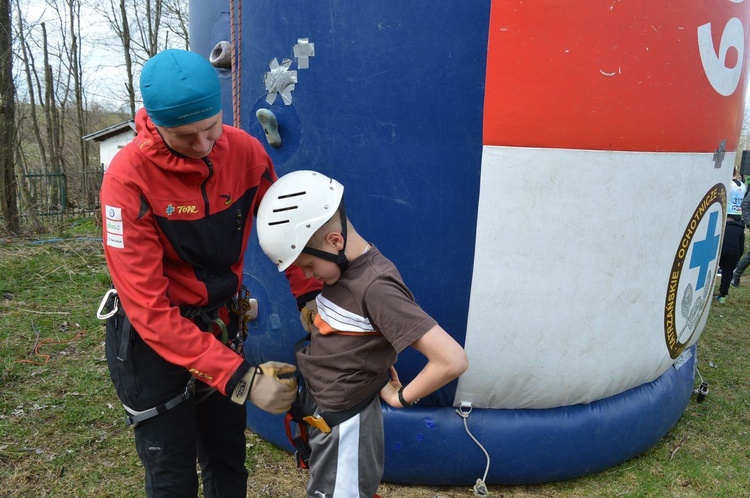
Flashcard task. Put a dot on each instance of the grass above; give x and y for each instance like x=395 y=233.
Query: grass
x=62 y=431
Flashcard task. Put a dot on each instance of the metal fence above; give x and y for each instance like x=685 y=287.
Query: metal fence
x=46 y=199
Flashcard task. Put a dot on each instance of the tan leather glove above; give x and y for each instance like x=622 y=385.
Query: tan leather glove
x=272 y=387
x=307 y=315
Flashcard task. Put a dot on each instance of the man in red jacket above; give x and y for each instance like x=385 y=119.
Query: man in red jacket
x=177 y=204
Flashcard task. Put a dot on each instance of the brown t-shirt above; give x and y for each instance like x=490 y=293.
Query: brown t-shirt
x=364 y=320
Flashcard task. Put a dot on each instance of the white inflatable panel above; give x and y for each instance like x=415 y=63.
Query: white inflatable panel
x=569 y=284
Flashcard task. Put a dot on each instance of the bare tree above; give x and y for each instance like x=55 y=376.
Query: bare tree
x=29 y=117
x=127 y=50
x=7 y=122
x=74 y=61
x=52 y=72
x=48 y=93
x=54 y=131
x=177 y=22
x=116 y=15
x=32 y=77
x=145 y=27
x=60 y=127
x=26 y=196
x=159 y=24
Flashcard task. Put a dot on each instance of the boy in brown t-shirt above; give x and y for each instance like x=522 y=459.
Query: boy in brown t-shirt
x=365 y=316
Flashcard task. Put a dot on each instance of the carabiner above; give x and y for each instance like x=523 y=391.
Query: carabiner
x=105 y=299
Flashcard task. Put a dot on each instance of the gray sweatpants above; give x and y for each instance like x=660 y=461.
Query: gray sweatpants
x=348 y=461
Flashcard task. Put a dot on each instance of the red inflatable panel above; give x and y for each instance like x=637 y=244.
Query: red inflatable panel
x=633 y=76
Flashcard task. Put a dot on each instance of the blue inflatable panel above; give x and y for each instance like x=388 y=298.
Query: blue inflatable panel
x=401 y=129
x=430 y=445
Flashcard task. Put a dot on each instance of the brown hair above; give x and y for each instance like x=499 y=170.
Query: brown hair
x=332 y=225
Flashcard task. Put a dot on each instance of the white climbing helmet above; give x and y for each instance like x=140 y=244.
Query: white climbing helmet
x=292 y=210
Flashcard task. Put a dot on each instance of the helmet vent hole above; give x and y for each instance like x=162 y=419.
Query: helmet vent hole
x=293 y=194
x=274 y=223
x=288 y=208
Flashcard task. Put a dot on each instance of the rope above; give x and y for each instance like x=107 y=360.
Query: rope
x=39 y=343
x=480 y=488
x=239 y=61
x=235 y=34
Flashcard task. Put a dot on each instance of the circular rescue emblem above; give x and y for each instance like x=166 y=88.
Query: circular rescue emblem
x=691 y=280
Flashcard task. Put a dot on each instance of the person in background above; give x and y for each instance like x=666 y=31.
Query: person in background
x=365 y=316
x=178 y=204
x=734 y=240
x=737 y=192
x=744 y=262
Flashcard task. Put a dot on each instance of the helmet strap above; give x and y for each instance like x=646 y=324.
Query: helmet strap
x=340 y=258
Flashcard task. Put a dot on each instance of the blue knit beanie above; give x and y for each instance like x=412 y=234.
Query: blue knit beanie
x=179 y=87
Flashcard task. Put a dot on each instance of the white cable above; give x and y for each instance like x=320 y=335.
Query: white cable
x=480 y=488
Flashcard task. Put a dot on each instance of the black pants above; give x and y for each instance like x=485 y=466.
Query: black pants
x=727 y=262
x=211 y=432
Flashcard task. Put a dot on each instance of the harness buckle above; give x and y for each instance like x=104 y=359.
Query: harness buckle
x=136 y=417
x=189 y=389
x=318 y=422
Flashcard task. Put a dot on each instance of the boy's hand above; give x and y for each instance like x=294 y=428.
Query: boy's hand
x=389 y=393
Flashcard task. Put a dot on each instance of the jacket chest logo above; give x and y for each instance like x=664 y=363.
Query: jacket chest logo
x=181 y=209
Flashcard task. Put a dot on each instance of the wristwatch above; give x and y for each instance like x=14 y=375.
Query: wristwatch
x=403 y=401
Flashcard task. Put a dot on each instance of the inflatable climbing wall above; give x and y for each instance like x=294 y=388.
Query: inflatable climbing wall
x=551 y=180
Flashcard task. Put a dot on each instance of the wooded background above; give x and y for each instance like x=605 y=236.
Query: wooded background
x=69 y=68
